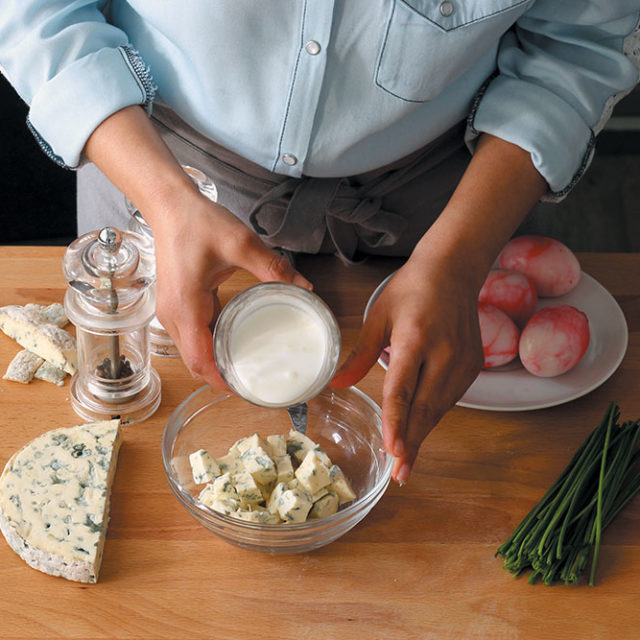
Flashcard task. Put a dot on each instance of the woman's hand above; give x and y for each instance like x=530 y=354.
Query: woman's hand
x=198 y=243
x=428 y=315
x=201 y=246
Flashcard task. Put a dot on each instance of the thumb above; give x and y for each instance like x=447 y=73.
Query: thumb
x=364 y=355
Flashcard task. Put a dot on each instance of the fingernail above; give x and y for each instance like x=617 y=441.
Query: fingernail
x=403 y=474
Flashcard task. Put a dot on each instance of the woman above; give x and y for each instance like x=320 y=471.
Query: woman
x=419 y=128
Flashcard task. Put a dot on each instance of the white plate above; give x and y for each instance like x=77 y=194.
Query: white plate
x=512 y=388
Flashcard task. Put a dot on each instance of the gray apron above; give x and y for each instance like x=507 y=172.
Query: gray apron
x=381 y=212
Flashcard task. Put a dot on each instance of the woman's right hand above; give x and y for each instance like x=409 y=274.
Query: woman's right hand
x=199 y=244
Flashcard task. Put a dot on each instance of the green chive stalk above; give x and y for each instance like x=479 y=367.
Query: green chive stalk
x=560 y=536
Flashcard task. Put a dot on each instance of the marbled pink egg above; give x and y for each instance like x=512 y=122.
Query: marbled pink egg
x=512 y=292
x=549 y=264
x=554 y=340
x=499 y=336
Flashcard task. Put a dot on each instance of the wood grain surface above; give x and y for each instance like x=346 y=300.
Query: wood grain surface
x=421 y=565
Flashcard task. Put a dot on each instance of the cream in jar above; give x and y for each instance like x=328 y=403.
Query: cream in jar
x=276 y=344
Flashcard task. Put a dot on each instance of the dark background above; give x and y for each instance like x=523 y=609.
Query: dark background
x=601 y=214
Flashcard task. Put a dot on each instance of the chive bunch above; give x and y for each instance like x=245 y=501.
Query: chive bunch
x=563 y=531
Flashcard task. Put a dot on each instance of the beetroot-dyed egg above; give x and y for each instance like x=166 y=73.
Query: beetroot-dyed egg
x=499 y=336
x=550 y=265
x=512 y=292
x=554 y=340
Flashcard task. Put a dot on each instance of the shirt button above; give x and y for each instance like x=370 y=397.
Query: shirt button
x=289 y=159
x=446 y=9
x=312 y=48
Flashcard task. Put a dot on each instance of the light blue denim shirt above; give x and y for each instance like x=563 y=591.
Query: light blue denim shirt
x=329 y=88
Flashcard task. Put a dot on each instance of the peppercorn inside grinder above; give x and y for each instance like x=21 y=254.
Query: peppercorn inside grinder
x=162 y=343
x=111 y=301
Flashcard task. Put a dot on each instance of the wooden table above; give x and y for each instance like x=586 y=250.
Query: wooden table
x=421 y=565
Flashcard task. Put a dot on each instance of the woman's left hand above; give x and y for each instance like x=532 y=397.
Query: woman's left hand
x=428 y=315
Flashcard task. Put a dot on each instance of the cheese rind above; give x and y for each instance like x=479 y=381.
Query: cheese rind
x=50 y=373
x=50 y=342
x=54 y=499
x=23 y=367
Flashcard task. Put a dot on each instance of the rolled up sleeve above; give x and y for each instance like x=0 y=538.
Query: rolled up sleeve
x=560 y=72
x=72 y=68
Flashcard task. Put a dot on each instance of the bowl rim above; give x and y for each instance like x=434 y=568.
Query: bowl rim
x=171 y=430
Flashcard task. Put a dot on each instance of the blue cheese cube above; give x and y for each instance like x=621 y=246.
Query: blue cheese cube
x=294 y=505
x=277 y=445
x=252 y=442
x=230 y=463
x=325 y=506
x=223 y=487
x=298 y=445
x=247 y=488
x=340 y=485
x=203 y=467
x=258 y=463
x=284 y=468
x=272 y=502
x=227 y=507
x=312 y=473
x=260 y=516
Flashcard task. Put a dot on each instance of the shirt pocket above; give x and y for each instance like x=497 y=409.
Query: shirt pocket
x=428 y=44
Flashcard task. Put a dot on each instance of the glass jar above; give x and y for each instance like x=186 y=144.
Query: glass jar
x=111 y=301
x=161 y=342
x=276 y=344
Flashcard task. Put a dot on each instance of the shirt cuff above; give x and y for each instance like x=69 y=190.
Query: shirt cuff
x=68 y=108
x=537 y=120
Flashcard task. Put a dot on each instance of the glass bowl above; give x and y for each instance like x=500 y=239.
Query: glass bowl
x=345 y=423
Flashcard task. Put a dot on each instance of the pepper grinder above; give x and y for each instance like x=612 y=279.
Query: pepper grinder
x=111 y=301
x=161 y=342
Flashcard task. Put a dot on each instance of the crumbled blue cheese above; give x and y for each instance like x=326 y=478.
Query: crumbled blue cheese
x=54 y=499
x=23 y=367
x=203 y=467
x=257 y=479
x=312 y=473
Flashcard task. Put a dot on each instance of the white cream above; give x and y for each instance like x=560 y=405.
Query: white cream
x=277 y=351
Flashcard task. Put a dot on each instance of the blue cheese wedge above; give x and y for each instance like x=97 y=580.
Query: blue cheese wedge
x=23 y=367
x=203 y=467
x=247 y=488
x=54 y=499
x=50 y=342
